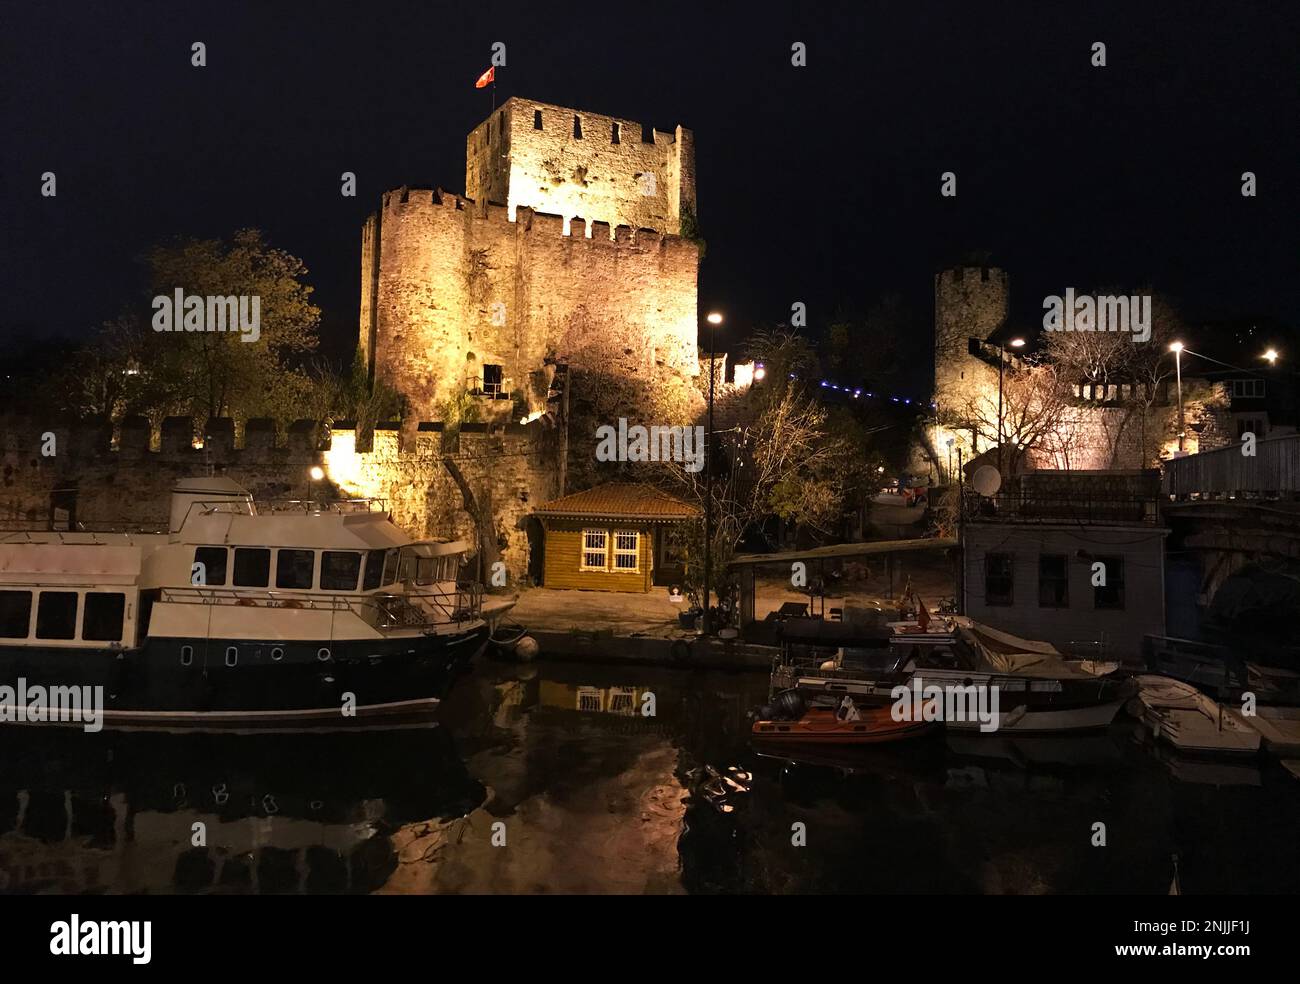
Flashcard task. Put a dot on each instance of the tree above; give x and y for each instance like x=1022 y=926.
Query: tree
x=214 y=374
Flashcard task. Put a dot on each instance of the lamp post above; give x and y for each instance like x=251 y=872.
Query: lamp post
x=1002 y=371
x=1177 y=349
x=314 y=474
x=714 y=319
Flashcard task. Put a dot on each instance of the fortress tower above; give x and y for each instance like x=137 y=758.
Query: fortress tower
x=575 y=164
x=566 y=250
x=969 y=302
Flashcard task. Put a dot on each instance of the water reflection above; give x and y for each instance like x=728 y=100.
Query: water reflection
x=555 y=778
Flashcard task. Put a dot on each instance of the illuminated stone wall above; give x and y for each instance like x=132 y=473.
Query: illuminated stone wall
x=127 y=478
x=576 y=164
x=450 y=285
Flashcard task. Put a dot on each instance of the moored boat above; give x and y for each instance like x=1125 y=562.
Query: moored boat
x=1183 y=717
x=239 y=619
x=824 y=726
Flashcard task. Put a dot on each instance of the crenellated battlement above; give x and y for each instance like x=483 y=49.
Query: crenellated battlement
x=178 y=441
x=406 y=203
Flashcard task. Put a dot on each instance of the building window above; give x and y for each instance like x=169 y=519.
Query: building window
x=1249 y=389
x=595 y=550
x=591 y=699
x=577 y=128
x=294 y=568
x=493 y=381
x=998 y=568
x=1251 y=425
x=213 y=560
x=1111 y=593
x=537 y=119
x=339 y=570
x=252 y=567
x=103 y=616
x=15 y=614
x=627 y=552
x=56 y=615
x=613 y=133
x=1053 y=581
x=622 y=700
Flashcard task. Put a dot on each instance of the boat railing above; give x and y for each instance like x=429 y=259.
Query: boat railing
x=387 y=612
x=342 y=506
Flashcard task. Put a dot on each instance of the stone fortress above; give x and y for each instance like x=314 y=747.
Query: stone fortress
x=566 y=250
x=565 y=260
x=1103 y=427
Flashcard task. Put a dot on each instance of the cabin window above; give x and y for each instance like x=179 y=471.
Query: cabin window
x=1110 y=594
x=595 y=550
x=214 y=561
x=56 y=615
x=627 y=550
x=15 y=614
x=102 y=619
x=998 y=571
x=252 y=567
x=613 y=133
x=374 y=570
x=390 y=567
x=405 y=567
x=294 y=568
x=338 y=571
x=1053 y=581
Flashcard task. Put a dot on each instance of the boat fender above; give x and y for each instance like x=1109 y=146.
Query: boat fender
x=790 y=706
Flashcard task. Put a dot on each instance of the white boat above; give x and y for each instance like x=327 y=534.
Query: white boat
x=1180 y=715
x=237 y=618
x=1278 y=726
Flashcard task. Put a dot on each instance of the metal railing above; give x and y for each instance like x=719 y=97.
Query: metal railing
x=386 y=612
x=1029 y=507
x=273 y=506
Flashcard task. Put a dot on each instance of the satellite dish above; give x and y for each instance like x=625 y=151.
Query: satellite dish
x=987 y=480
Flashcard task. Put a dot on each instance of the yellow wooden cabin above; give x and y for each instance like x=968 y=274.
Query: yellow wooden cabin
x=613 y=537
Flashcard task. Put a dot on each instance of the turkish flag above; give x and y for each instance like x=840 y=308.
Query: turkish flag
x=486 y=77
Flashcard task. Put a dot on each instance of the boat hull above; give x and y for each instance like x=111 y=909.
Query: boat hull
x=821 y=727
x=242 y=685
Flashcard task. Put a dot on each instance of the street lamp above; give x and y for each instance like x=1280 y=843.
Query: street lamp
x=314 y=474
x=759 y=372
x=1177 y=349
x=714 y=318
x=1271 y=356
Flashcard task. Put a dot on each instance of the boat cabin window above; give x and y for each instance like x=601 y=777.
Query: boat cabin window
x=214 y=560
x=405 y=567
x=15 y=614
x=429 y=570
x=252 y=567
x=56 y=615
x=339 y=570
x=294 y=568
x=374 y=570
x=101 y=621
x=390 y=567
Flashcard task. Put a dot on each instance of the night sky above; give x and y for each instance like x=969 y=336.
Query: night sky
x=818 y=184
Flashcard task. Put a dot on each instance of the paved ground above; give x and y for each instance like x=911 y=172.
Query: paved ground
x=653 y=615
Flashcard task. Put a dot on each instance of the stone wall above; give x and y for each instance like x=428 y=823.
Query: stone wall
x=127 y=477
x=576 y=164
x=451 y=285
x=969 y=302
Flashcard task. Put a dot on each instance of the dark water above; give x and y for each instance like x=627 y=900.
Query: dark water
x=591 y=796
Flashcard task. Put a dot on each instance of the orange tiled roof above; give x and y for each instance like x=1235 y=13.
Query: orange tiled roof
x=620 y=500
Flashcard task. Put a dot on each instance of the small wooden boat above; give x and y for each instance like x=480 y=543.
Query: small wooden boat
x=1279 y=727
x=1182 y=716
x=821 y=726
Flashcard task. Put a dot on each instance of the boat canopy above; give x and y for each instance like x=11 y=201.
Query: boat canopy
x=435 y=548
